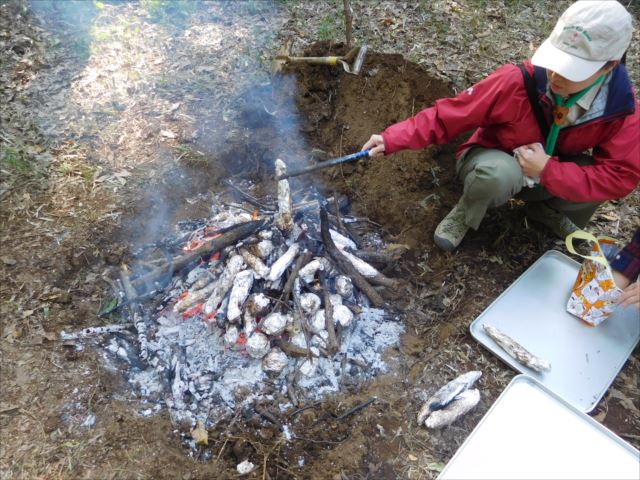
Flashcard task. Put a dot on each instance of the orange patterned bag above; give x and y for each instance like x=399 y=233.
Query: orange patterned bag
x=594 y=294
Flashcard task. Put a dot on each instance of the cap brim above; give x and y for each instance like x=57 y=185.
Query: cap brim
x=569 y=66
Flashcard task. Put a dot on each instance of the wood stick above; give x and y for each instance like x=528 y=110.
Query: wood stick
x=328 y=316
x=291 y=349
x=357 y=408
x=301 y=261
x=263 y=412
x=306 y=407
x=348 y=21
x=229 y=238
x=345 y=265
x=248 y=198
x=371 y=256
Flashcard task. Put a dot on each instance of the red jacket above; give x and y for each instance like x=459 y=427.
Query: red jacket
x=498 y=107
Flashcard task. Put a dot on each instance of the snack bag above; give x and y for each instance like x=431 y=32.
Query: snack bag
x=594 y=294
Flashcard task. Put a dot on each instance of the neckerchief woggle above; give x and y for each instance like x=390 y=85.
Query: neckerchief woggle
x=560 y=112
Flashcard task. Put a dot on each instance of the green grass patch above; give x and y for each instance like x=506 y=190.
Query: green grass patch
x=327 y=28
x=17 y=161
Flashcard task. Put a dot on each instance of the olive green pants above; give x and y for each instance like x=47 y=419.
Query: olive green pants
x=492 y=177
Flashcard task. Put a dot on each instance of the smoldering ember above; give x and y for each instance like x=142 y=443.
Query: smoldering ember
x=261 y=300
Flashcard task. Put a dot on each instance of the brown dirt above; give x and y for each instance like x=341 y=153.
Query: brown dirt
x=53 y=267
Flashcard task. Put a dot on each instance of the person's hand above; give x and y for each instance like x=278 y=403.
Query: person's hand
x=375 y=145
x=630 y=296
x=532 y=159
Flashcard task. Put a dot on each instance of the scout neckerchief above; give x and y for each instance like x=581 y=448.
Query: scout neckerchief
x=560 y=111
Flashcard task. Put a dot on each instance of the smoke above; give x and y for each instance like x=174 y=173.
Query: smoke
x=178 y=94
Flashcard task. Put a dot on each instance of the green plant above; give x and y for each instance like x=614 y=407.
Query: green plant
x=327 y=28
x=162 y=9
x=17 y=161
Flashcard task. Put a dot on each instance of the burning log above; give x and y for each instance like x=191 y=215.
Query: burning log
x=193 y=297
x=222 y=326
x=345 y=265
x=284 y=217
x=332 y=341
x=232 y=236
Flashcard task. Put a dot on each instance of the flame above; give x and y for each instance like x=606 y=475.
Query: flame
x=197 y=243
x=193 y=311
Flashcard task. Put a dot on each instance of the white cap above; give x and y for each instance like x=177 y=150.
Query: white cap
x=587 y=35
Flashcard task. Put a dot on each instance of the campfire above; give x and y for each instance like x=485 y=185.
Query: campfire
x=261 y=301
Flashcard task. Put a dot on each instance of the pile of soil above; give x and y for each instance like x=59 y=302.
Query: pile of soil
x=341 y=113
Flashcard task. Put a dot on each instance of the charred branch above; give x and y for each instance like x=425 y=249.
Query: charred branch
x=228 y=238
x=301 y=261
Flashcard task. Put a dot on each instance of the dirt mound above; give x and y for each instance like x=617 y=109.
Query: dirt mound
x=342 y=111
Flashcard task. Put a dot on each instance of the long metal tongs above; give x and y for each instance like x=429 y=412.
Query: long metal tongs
x=322 y=165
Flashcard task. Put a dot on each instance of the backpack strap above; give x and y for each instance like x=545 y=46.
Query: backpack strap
x=532 y=93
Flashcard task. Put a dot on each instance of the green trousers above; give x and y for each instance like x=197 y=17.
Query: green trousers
x=492 y=177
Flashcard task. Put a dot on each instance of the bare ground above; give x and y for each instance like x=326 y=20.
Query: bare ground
x=117 y=120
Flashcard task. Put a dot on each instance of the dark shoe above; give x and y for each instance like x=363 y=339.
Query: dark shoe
x=554 y=220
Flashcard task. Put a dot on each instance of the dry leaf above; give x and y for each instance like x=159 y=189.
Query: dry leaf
x=200 y=434
x=167 y=134
x=8 y=260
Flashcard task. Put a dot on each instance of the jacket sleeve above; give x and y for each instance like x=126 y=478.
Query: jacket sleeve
x=485 y=103
x=627 y=261
x=616 y=171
